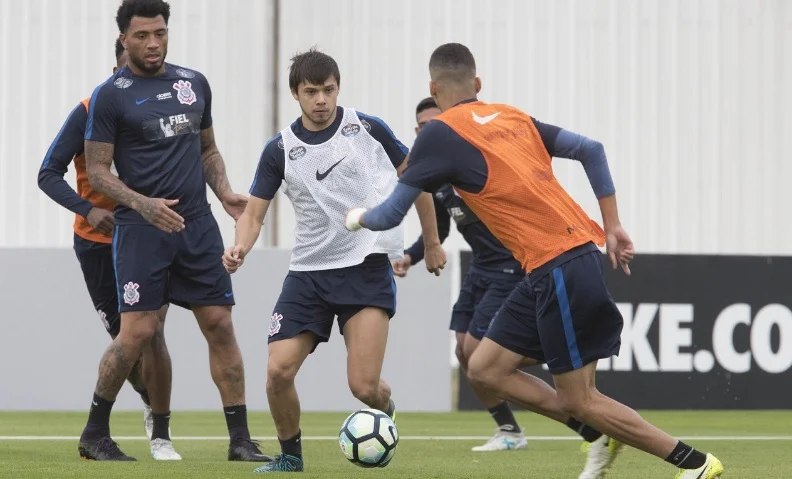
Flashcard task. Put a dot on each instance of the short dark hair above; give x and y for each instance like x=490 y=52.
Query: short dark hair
x=140 y=8
x=452 y=61
x=314 y=67
x=119 y=49
x=425 y=104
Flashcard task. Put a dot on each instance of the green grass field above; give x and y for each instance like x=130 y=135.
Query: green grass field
x=432 y=446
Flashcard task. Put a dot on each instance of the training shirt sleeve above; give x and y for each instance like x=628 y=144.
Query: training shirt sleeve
x=381 y=132
x=271 y=170
x=562 y=143
x=206 y=119
x=103 y=113
x=66 y=145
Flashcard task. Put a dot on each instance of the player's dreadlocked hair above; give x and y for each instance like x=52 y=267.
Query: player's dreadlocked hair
x=313 y=67
x=119 y=49
x=453 y=62
x=140 y=8
x=425 y=104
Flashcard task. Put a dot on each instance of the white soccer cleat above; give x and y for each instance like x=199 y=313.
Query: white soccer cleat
x=601 y=454
x=148 y=421
x=503 y=441
x=711 y=469
x=162 y=450
x=352 y=220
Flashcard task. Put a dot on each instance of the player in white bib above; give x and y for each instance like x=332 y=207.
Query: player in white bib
x=328 y=161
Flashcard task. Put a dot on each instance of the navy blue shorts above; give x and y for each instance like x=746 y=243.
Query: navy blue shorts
x=154 y=268
x=479 y=299
x=310 y=300
x=563 y=315
x=96 y=262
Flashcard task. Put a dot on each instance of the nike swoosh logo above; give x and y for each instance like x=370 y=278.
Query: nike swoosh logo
x=228 y=295
x=486 y=119
x=321 y=176
x=140 y=102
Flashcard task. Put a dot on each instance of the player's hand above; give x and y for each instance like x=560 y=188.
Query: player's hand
x=352 y=220
x=157 y=212
x=400 y=266
x=435 y=258
x=233 y=257
x=620 y=248
x=101 y=220
x=235 y=205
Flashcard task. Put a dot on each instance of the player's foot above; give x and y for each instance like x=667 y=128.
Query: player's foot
x=503 y=441
x=102 y=449
x=148 y=420
x=162 y=450
x=601 y=454
x=711 y=469
x=283 y=463
x=246 y=450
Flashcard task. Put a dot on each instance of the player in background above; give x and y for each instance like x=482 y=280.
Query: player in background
x=328 y=160
x=493 y=274
x=154 y=119
x=93 y=226
x=499 y=161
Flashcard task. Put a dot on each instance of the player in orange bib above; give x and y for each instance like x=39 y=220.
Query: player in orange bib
x=93 y=227
x=498 y=159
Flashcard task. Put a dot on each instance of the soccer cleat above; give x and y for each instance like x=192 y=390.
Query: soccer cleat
x=103 y=449
x=601 y=454
x=162 y=450
x=711 y=469
x=283 y=463
x=246 y=450
x=503 y=441
x=392 y=409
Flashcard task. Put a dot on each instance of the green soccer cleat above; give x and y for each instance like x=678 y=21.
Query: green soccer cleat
x=283 y=463
x=711 y=469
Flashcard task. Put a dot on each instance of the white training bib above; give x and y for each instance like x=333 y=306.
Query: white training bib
x=325 y=181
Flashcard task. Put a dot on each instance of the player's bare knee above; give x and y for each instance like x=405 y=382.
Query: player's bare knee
x=365 y=390
x=461 y=357
x=280 y=374
x=479 y=373
x=576 y=403
x=137 y=328
x=218 y=327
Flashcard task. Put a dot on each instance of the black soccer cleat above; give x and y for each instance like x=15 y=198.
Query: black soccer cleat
x=246 y=450
x=102 y=449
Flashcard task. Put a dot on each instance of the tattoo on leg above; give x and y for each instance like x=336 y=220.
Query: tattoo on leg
x=113 y=371
x=231 y=382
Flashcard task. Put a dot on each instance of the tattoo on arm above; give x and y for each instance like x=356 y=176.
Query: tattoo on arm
x=98 y=159
x=214 y=166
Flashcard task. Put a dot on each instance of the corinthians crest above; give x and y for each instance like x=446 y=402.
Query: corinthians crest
x=131 y=295
x=186 y=95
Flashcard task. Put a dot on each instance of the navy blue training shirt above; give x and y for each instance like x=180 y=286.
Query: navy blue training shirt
x=67 y=144
x=272 y=164
x=489 y=256
x=155 y=124
x=440 y=155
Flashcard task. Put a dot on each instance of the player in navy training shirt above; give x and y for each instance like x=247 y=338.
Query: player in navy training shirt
x=155 y=120
x=93 y=230
x=493 y=274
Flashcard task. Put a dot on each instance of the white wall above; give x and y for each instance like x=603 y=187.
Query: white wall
x=690 y=97
x=54 y=52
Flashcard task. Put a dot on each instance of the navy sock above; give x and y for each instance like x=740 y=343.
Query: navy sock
x=236 y=420
x=588 y=433
x=504 y=417
x=293 y=446
x=98 y=418
x=161 y=426
x=685 y=457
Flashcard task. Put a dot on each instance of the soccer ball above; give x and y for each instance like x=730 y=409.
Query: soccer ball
x=368 y=438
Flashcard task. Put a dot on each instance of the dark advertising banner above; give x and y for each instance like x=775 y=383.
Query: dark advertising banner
x=700 y=332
